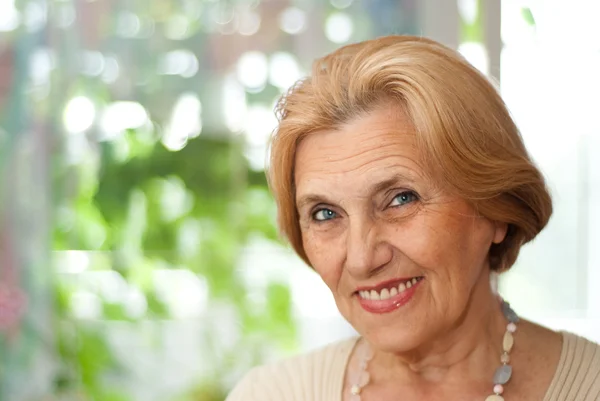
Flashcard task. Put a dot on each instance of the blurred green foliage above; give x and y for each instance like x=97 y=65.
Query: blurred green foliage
x=527 y=15
x=228 y=213
x=132 y=206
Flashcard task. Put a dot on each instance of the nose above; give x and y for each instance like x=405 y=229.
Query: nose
x=367 y=252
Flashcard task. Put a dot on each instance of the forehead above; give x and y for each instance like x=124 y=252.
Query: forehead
x=371 y=147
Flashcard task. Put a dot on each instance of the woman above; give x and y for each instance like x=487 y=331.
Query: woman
x=402 y=180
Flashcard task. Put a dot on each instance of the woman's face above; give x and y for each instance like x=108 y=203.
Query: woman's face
x=401 y=256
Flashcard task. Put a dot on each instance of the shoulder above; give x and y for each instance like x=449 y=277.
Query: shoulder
x=311 y=376
x=578 y=373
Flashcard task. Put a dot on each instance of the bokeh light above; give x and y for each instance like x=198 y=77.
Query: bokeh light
x=177 y=27
x=252 y=70
x=249 y=23
x=189 y=236
x=339 y=27
x=73 y=261
x=85 y=305
x=341 y=4
x=65 y=14
x=185 y=122
x=292 y=20
x=185 y=293
x=260 y=123
x=128 y=24
x=10 y=18
x=468 y=10
x=35 y=16
x=92 y=63
x=175 y=200
x=120 y=116
x=41 y=64
x=233 y=104
x=111 y=70
x=283 y=70
x=79 y=114
x=135 y=303
x=180 y=62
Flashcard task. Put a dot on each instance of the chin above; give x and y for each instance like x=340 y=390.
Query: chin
x=398 y=339
x=399 y=326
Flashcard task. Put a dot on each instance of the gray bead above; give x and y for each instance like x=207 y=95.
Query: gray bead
x=509 y=313
x=503 y=374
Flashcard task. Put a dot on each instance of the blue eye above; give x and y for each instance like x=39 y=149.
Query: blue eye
x=324 y=214
x=404 y=198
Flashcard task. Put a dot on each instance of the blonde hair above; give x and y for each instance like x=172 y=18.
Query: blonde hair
x=464 y=132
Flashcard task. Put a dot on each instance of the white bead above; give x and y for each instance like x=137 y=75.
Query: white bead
x=508 y=342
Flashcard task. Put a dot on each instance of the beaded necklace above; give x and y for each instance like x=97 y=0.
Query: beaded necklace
x=501 y=376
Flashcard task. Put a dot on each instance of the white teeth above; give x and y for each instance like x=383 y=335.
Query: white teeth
x=388 y=293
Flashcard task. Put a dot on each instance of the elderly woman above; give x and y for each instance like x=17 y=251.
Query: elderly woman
x=401 y=179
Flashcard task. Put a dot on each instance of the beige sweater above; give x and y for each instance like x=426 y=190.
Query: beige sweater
x=319 y=376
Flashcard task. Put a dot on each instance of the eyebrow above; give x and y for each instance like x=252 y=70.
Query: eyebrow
x=309 y=199
x=378 y=187
x=390 y=182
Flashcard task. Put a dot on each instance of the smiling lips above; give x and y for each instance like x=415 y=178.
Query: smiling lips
x=388 y=296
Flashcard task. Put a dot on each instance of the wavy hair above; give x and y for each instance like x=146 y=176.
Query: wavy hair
x=464 y=132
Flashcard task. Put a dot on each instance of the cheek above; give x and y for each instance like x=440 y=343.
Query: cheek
x=325 y=258
x=444 y=244
x=422 y=239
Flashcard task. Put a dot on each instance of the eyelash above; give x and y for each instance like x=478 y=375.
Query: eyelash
x=403 y=193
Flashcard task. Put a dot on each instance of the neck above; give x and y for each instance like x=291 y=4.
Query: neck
x=469 y=350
